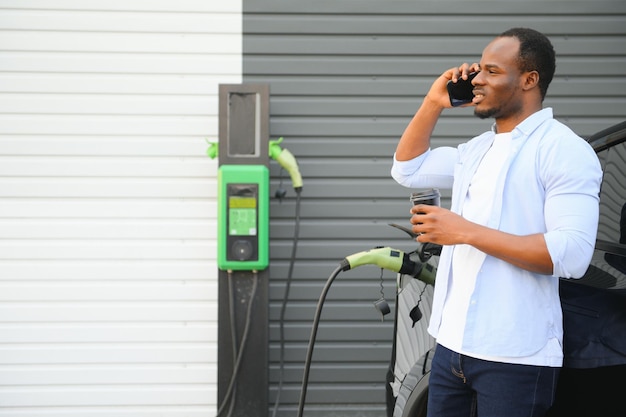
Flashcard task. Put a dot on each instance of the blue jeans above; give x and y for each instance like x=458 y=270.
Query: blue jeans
x=462 y=386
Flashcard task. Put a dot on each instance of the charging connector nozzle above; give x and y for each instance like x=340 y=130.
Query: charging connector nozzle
x=387 y=258
x=393 y=260
x=286 y=160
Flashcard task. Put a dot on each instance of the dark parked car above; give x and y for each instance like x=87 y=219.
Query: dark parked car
x=591 y=383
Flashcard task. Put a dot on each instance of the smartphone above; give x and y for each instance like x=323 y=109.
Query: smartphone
x=461 y=91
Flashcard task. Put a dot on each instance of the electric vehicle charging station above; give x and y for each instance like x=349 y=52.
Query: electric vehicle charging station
x=243 y=245
x=243 y=249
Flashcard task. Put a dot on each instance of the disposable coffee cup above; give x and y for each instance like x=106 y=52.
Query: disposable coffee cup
x=430 y=197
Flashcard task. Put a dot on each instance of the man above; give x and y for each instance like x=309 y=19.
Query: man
x=524 y=212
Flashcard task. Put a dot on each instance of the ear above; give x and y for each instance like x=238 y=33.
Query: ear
x=531 y=80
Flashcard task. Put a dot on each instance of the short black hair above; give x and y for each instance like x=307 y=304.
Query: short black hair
x=536 y=53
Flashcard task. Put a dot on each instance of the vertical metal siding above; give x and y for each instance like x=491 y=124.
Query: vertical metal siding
x=345 y=78
x=108 y=275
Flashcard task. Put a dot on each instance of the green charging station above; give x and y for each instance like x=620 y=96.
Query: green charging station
x=243 y=250
x=243 y=210
x=244 y=151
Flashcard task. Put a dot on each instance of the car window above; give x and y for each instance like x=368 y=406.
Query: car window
x=608 y=266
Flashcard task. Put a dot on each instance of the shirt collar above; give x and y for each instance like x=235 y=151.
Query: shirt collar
x=528 y=125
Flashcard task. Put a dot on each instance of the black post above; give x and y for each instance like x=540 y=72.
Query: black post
x=243 y=327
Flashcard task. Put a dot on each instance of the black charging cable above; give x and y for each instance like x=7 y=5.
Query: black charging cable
x=230 y=396
x=309 y=353
x=283 y=308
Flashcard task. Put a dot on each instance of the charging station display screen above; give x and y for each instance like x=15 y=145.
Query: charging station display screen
x=242 y=216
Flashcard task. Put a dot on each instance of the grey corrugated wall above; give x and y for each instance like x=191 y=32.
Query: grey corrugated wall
x=345 y=77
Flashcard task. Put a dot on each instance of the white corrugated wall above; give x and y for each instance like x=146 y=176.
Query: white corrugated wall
x=108 y=277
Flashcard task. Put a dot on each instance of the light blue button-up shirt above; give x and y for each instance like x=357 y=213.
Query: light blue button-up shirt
x=550 y=184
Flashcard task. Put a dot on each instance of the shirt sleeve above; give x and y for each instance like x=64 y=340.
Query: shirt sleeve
x=434 y=168
x=571 y=242
x=572 y=211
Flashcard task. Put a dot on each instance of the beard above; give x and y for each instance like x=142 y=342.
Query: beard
x=506 y=105
x=487 y=113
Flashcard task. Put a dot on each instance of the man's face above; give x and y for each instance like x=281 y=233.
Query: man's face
x=498 y=86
